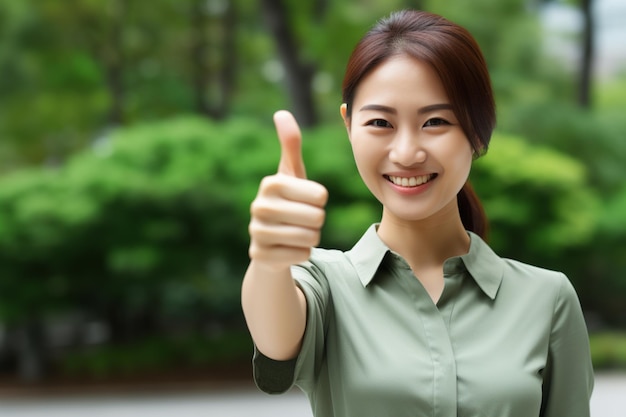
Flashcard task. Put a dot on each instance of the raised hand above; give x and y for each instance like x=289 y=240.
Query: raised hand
x=288 y=212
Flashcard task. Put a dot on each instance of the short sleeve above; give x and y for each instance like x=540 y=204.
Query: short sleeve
x=276 y=377
x=568 y=376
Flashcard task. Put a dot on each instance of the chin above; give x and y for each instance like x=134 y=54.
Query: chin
x=409 y=215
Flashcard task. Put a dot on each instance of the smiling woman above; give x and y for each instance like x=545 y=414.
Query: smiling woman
x=461 y=71
x=420 y=317
x=400 y=140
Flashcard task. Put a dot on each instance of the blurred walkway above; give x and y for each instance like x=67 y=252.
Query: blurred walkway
x=232 y=403
x=609 y=400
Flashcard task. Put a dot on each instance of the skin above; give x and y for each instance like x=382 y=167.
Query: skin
x=286 y=218
x=393 y=134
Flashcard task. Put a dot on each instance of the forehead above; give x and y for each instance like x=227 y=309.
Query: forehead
x=401 y=80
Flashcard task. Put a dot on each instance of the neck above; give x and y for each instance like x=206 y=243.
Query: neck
x=426 y=243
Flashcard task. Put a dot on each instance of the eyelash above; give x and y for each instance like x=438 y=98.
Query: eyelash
x=375 y=123
x=434 y=122
x=439 y=120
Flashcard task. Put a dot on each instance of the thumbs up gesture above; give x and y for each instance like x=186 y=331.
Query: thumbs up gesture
x=288 y=212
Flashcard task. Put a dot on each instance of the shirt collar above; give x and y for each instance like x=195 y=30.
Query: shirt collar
x=367 y=255
x=481 y=261
x=484 y=265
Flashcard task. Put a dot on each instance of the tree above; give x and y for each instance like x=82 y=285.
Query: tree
x=98 y=29
x=52 y=94
x=587 y=54
x=213 y=55
x=298 y=73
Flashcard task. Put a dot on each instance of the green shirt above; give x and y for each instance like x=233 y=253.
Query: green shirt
x=504 y=340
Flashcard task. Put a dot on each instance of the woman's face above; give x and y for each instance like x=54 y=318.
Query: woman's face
x=408 y=145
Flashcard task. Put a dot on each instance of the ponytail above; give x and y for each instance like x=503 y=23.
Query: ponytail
x=472 y=212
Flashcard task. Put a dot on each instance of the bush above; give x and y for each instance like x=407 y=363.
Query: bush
x=157 y=354
x=608 y=350
x=537 y=199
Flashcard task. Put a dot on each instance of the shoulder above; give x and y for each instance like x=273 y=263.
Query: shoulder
x=324 y=265
x=539 y=282
x=514 y=269
x=497 y=275
x=531 y=274
x=328 y=256
x=322 y=261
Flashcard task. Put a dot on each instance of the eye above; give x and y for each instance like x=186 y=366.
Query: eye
x=436 y=121
x=378 y=123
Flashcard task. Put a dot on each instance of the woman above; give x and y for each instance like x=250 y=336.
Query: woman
x=420 y=317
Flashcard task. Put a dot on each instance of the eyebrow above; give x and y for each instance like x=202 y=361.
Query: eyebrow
x=423 y=110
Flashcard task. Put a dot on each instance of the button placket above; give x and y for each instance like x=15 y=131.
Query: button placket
x=437 y=334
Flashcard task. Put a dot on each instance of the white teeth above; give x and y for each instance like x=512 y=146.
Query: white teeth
x=410 y=181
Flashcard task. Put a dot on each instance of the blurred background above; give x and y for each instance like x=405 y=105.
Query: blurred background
x=133 y=135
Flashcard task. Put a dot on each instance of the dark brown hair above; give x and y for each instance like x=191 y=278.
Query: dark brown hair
x=456 y=57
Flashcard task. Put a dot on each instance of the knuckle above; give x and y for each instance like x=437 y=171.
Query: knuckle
x=253 y=252
x=255 y=207
x=266 y=181
x=323 y=195
x=261 y=235
x=261 y=209
x=319 y=218
x=270 y=184
x=258 y=233
x=253 y=227
x=311 y=239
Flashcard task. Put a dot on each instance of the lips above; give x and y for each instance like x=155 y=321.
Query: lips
x=410 y=181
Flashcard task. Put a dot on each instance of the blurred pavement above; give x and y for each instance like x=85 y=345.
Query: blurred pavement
x=609 y=400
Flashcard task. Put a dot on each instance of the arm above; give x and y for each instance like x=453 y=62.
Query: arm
x=286 y=218
x=568 y=377
x=275 y=311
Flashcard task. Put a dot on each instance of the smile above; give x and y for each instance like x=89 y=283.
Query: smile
x=410 y=181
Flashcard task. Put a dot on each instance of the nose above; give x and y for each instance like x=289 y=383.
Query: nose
x=407 y=150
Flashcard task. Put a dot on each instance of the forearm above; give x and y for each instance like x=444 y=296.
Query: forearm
x=286 y=220
x=275 y=311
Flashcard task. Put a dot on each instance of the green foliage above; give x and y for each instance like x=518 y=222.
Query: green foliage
x=535 y=198
x=155 y=355
x=608 y=350
x=509 y=40
x=595 y=139
x=610 y=94
x=613 y=220
x=153 y=207
x=592 y=137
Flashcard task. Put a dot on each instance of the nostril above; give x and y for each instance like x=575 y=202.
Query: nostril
x=408 y=157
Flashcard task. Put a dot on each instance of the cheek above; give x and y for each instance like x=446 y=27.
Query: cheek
x=460 y=152
x=463 y=166
x=357 y=146
x=366 y=159
x=360 y=161
x=457 y=162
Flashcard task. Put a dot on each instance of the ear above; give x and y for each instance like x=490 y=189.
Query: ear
x=343 y=109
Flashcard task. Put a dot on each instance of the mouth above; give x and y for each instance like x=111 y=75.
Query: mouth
x=410 y=181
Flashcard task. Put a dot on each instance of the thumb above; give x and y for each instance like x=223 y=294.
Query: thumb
x=290 y=138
